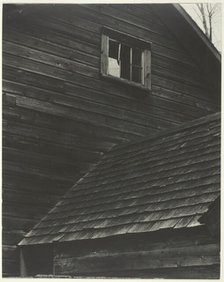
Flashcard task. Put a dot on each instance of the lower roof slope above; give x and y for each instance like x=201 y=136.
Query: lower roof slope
x=166 y=181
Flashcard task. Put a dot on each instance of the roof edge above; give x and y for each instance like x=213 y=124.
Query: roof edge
x=198 y=30
x=190 y=124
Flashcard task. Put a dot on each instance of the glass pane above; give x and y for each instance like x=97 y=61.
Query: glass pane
x=136 y=74
x=113 y=67
x=136 y=56
x=125 y=61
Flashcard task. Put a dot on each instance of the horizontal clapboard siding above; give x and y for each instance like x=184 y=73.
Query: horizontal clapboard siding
x=180 y=256
x=59 y=116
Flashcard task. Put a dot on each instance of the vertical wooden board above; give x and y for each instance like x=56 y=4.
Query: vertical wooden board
x=104 y=54
x=23 y=266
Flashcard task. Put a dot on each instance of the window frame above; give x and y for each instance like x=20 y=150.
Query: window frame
x=132 y=42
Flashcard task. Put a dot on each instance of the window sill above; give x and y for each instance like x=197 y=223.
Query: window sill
x=125 y=82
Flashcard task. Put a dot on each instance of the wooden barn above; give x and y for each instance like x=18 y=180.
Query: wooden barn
x=79 y=80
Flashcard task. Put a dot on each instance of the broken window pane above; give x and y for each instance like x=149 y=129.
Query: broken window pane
x=113 y=67
x=113 y=62
x=125 y=61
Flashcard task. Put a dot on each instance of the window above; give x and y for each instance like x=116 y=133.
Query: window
x=126 y=58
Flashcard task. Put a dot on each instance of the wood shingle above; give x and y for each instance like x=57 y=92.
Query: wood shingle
x=166 y=181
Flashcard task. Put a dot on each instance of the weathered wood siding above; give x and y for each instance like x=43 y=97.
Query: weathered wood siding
x=184 y=255
x=59 y=115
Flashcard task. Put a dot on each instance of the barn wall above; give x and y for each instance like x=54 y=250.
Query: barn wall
x=59 y=115
x=185 y=255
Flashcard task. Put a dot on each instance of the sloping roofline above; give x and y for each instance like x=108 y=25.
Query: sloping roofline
x=198 y=31
x=170 y=131
x=195 y=42
x=199 y=135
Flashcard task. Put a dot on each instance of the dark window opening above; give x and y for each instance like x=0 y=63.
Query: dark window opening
x=137 y=68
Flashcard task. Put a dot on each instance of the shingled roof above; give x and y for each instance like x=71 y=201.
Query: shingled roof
x=166 y=181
